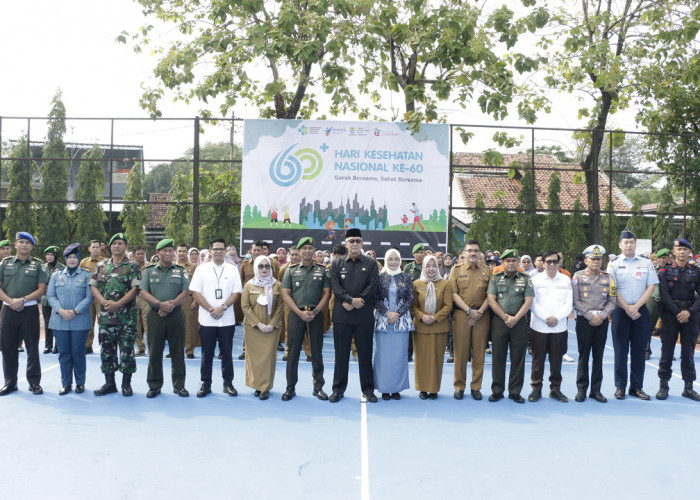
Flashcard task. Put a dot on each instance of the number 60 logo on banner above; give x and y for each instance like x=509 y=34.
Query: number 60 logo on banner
x=286 y=168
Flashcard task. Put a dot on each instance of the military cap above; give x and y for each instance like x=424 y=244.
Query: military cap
x=510 y=253
x=4 y=243
x=494 y=259
x=306 y=240
x=663 y=252
x=72 y=249
x=627 y=234
x=353 y=232
x=168 y=242
x=25 y=236
x=594 y=251
x=52 y=249
x=680 y=242
x=418 y=247
x=118 y=236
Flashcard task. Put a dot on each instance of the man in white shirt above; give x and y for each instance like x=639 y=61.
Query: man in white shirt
x=548 y=326
x=216 y=287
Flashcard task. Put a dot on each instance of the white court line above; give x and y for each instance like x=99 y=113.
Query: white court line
x=364 y=492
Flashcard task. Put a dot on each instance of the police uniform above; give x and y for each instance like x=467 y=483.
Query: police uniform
x=307 y=286
x=470 y=283
x=45 y=307
x=594 y=295
x=19 y=278
x=678 y=289
x=509 y=292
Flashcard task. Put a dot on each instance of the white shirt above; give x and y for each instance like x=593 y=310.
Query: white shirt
x=553 y=297
x=209 y=277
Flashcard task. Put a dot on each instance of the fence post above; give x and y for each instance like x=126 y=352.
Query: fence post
x=610 y=188
x=109 y=162
x=685 y=184
x=449 y=210
x=27 y=205
x=533 y=208
x=195 y=185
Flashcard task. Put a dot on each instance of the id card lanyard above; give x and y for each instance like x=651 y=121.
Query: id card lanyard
x=219 y=294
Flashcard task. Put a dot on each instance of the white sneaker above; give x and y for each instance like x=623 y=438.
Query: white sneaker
x=567 y=358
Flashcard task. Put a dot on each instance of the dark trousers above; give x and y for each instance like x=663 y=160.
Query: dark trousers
x=71 y=355
x=669 y=333
x=296 y=329
x=543 y=344
x=630 y=336
x=503 y=338
x=342 y=338
x=172 y=329
x=209 y=335
x=16 y=326
x=591 y=340
x=48 y=333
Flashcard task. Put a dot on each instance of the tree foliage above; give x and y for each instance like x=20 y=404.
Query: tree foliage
x=178 y=218
x=479 y=228
x=554 y=226
x=576 y=229
x=54 y=216
x=134 y=216
x=89 y=217
x=20 y=215
x=664 y=230
x=527 y=203
x=222 y=216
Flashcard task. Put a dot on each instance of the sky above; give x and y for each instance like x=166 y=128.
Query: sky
x=71 y=45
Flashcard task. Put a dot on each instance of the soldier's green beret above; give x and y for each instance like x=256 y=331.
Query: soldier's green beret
x=663 y=252
x=509 y=254
x=307 y=240
x=4 y=243
x=165 y=243
x=418 y=247
x=52 y=249
x=118 y=236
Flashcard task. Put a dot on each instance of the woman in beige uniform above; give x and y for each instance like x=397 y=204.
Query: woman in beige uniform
x=263 y=307
x=432 y=303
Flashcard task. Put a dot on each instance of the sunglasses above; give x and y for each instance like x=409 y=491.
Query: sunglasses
x=354 y=241
x=551 y=262
x=264 y=266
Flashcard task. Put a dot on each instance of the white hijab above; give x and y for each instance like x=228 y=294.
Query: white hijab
x=386 y=269
x=267 y=282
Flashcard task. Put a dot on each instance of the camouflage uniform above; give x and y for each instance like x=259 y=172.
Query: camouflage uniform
x=117 y=328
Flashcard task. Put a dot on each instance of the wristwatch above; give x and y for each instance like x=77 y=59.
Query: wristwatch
x=469 y=310
x=224 y=307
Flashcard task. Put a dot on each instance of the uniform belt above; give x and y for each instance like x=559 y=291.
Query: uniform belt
x=683 y=303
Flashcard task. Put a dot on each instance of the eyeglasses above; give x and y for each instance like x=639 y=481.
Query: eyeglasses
x=551 y=262
x=264 y=266
x=354 y=241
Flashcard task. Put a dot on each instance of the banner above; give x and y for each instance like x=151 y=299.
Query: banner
x=319 y=178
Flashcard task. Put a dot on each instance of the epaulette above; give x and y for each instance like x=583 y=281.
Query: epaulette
x=500 y=271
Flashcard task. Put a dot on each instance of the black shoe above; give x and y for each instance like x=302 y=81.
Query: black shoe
x=7 y=389
x=204 y=390
x=64 y=390
x=458 y=394
x=219 y=356
x=284 y=358
x=395 y=395
x=335 y=397
x=308 y=358
x=242 y=356
x=126 y=385
x=663 y=390
x=182 y=392
x=280 y=347
x=290 y=393
x=264 y=395
x=139 y=353
x=638 y=393
x=619 y=393
x=410 y=358
x=152 y=393
x=369 y=396
x=599 y=397
x=423 y=395
x=55 y=350
x=230 y=390
x=256 y=394
x=79 y=389
x=168 y=356
x=88 y=350
x=517 y=398
x=558 y=395
x=36 y=389
x=109 y=386
x=20 y=349
x=689 y=392
x=320 y=394
x=647 y=355
x=433 y=395
x=534 y=396
x=580 y=396
x=476 y=395
x=386 y=396
x=495 y=397
x=48 y=349
x=450 y=359
x=190 y=356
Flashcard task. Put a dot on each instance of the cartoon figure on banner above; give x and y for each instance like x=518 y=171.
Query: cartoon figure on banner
x=285 y=212
x=416 y=217
x=330 y=226
x=346 y=224
x=273 y=216
x=404 y=222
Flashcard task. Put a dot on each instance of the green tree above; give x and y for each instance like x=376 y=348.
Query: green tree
x=612 y=225
x=527 y=203
x=178 y=218
x=89 y=217
x=304 y=46
x=636 y=222
x=576 y=228
x=500 y=235
x=134 y=216
x=54 y=217
x=479 y=227
x=664 y=230
x=554 y=226
x=20 y=215
x=221 y=217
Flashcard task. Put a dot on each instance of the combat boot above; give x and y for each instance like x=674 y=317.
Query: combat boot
x=663 y=389
x=109 y=387
x=126 y=385
x=690 y=393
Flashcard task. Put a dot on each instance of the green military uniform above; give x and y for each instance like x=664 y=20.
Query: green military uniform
x=118 y=328
x=165 y=283
x=510 y=292
x=413 y=270
x=307 y=286
x=19 y=278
